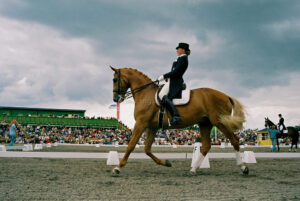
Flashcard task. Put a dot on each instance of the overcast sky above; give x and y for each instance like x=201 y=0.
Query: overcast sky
x=56 y=53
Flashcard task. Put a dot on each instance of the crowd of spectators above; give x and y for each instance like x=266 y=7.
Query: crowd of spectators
x=77 y=135
x=73 y=135
x=247 y=137
x=187 y=137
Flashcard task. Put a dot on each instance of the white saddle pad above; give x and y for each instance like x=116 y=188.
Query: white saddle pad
x=185 y=98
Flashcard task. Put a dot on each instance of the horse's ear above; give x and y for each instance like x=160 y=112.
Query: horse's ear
x=114 y=69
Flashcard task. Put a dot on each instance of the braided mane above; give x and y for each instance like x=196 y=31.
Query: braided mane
x=140 y=73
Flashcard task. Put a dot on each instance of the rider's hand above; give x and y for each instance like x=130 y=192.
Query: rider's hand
x=160 y=78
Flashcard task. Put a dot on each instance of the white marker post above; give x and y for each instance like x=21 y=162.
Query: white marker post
x=113 y=158
x=196 y=155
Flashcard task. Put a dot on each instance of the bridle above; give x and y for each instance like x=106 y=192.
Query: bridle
x=118 y=80
x=128 y=94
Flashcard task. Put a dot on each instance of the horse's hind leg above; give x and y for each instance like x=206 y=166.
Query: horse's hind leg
x=235 y=143
x=206 y=144
x=150 y=133
x=294 y=142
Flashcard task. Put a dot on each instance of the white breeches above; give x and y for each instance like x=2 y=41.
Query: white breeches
x=165 y=90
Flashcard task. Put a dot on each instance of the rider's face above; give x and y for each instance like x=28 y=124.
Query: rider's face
x=180 y=51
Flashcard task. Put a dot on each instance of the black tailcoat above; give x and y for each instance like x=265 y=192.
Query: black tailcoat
x=176 y=80
x=281 y=122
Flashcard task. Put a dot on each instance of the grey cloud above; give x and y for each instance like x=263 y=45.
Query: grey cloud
x=250 y=50
x=46 y=67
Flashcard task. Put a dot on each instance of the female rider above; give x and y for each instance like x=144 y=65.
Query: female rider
x=174 y=82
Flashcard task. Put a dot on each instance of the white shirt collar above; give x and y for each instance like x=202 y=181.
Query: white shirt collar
x=181 y=55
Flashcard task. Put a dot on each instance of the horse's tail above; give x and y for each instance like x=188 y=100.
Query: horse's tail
x=234 y=121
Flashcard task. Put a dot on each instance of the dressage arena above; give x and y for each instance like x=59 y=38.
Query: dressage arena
x=28 y=178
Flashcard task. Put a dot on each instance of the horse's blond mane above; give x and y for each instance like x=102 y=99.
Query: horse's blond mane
x=140 y=73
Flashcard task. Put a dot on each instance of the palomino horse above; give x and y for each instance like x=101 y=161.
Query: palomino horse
x=292 y=134
x=207 y=108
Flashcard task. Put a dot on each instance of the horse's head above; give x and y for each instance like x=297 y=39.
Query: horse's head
x=266 y=122
x=120 y=86
x=269 y=123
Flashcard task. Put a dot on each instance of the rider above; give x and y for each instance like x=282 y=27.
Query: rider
x=172 y=89
x=281 y=123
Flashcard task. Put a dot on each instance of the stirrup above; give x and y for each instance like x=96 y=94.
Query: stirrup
x=175 y=120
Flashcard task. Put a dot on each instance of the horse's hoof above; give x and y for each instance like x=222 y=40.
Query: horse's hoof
x=193 y=171
x=168 y=163
x=246 y=171
x=116 y=172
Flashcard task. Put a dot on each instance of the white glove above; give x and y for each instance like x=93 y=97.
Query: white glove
x=160 y=78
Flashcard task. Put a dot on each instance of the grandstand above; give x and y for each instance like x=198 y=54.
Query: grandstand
x=55 y=117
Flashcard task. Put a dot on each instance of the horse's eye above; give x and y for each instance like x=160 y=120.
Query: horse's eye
x=115 y=80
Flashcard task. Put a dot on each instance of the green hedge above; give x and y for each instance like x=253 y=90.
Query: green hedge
x=53 y=121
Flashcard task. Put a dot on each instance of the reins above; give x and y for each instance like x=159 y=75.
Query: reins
x=130 y=93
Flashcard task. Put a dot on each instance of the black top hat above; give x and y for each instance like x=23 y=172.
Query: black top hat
x=183 y=46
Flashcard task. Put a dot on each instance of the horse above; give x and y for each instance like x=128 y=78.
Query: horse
x=207 y=108
x=292 y=133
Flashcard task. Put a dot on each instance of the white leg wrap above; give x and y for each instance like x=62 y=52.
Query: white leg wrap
x=116 y=169
x=238 y=158
x=197 y=158
x=197 y=163
x=239 y=161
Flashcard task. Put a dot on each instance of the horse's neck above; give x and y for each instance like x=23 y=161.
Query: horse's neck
x=136 y=82
x=271 y=123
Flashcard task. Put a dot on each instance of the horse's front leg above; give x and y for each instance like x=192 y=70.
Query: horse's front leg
x=136 y=134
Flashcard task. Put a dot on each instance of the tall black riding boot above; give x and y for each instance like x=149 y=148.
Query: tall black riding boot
x=169 y=105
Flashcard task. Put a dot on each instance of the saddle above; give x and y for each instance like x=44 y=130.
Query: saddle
x=185 y=96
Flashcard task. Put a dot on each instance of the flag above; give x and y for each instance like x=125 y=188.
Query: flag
x=113 y=106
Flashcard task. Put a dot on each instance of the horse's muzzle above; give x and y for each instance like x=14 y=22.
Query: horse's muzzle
x=118 y=98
